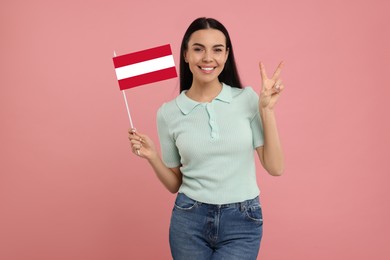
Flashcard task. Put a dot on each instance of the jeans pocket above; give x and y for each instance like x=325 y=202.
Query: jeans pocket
x=184 y=203
x=254 y=212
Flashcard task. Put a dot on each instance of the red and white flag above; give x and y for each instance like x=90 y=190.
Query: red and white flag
x=144 y=67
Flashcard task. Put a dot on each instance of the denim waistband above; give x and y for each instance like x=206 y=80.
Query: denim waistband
x=232 y=205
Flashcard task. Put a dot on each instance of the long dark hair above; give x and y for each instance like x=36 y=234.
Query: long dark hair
x=229 y=74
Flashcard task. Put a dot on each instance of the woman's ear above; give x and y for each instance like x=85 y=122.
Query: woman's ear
x=185 y=56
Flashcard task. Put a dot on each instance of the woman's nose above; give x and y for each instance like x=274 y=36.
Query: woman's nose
x=207 y=56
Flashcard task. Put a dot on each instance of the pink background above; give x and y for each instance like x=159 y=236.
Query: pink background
x=71 y=189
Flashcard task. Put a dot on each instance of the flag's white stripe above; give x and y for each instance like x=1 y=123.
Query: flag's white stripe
x=144 y=67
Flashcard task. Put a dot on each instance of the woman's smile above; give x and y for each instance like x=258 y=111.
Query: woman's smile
x=207 y=69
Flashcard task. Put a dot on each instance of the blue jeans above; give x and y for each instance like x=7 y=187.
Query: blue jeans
x=204 y=231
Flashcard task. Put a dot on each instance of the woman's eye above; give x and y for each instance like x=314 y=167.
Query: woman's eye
x=218 y=50
x=197 y=49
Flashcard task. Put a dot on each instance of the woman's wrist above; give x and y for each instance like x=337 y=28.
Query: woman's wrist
x=266 y=110
x=153 y=158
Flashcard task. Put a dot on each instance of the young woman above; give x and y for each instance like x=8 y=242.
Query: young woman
x=208 y=135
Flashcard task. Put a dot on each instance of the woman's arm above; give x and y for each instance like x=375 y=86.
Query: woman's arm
x=143 y=146
x=271 y=154
x=170 y=177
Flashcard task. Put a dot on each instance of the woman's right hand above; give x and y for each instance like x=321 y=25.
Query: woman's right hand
x=141 y=145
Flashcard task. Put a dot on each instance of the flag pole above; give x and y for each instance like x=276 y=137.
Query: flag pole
x=127 y=106
x=128 y=110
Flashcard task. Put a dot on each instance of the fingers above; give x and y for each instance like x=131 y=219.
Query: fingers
x=273 y=84
x=263 y=73
x=277 y=85
x=276 y=74
x=132 y=131
x=136 y=141
x=276 y=88
x=136 y=150
x=281 y=88
x=271 y=87
x=134 y=135
x=278 y=71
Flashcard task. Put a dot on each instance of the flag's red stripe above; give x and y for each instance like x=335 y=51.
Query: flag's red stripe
x=147 y=78
x=140 y=56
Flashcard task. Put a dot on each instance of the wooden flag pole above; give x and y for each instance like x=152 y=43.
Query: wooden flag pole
x=127 y=106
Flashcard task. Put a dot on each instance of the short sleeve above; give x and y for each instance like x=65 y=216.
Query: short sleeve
x=257 y=131
x=170 y=154
x=256 y=125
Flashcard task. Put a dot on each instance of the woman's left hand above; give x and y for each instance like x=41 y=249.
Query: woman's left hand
x=271 y=87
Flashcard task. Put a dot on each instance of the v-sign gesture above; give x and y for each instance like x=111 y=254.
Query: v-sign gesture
x=270 y=87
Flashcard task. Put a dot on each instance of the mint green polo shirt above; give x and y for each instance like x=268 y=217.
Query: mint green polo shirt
x=213 y=143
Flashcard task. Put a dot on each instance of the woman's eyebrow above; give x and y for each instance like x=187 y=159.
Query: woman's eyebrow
x=201 y=45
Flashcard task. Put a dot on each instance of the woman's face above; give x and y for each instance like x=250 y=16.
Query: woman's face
x=206 y=55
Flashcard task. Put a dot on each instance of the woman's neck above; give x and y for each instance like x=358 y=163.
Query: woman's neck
x=204 y=92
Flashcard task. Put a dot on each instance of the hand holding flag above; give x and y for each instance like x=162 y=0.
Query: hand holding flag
x=142 y=145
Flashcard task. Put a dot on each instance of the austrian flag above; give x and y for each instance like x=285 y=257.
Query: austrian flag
x=144 y=67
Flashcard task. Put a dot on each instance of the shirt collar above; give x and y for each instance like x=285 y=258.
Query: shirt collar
x=186 y=104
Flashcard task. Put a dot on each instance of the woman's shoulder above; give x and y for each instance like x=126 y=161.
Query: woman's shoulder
x=168 y=107
x=245 y=92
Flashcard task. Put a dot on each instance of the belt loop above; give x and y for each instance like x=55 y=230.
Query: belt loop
x=242 y=206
